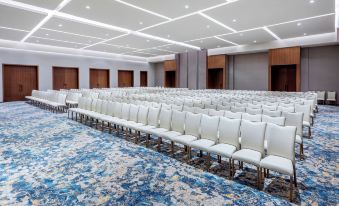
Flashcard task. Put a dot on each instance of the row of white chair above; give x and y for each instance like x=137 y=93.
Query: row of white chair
x=234 y=139
x=54 y=101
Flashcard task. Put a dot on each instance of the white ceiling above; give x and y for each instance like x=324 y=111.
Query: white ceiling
x=148 y=28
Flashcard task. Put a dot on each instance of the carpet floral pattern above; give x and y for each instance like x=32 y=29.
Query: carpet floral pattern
x=47 y=159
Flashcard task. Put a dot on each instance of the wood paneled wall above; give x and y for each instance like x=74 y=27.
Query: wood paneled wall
x=125 y=78
x=99 y=78
x=171 y=73
x=65 y=78
x=285 y=56
x=143 y=79
x=19 y=81
x=170 y=65
x=218 y=62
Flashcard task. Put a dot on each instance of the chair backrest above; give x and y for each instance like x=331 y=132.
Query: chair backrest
x=125 y=111
x=178 y=121
x=306 y=109
x=274 y=120
x=153 y=116
x=294 y=119
x=188 y=109
x=199 y=105
x=82 y=104
x=133 y=113
x=209 y=127
x=281 y=141
x=142 y=114
x=331 y=95
x=253 y=111
x=165 y=118
x=269 y=107
x=276 y=113
x=199 y=110
x=238 y=109
x=254 y=106
x=229 y=131
x=251 y=117
x=110 y=108
x=222 y=107
x=253 y=135
x=62 y=99
x=285 y=109
x=210 y=106
x=165 y=106
x=213 y=112
x=94 y=104
x=98 y=106
x=117 y=110
x=192 y=124
x=321 y=95
x=104 y=107
x=233 y=115
x=177 y=107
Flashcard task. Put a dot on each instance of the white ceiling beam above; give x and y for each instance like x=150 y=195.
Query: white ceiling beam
x=271 y=33
x=217 y=22
x=226 y=41
x=44 y=20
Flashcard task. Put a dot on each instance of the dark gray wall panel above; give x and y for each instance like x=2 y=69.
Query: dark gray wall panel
x=192 y=70
x=183 y=63
x=251 y=71
x=159 y=74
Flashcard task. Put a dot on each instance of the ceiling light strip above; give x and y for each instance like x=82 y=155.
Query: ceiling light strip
x=13 y=29
x=308 y=18
x=51 y=39
x=24 y=6
x=44 y=20
x=226 y=41
x=217 y=22
x=164 y=40
x=271 y=33
x=142 y=9
x=104 y=41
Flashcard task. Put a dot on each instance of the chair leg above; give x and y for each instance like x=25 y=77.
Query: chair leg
x=172 y=148
x=301 y=152
x=295 y=176
x=109 y=128
x=309 y=132
x=188 y=153
x=291 y=188
x=230 y=168
x=233 y=169
x=208 y=161
x=267 y=173
x=159 y=143
x=219 y=159
x=258 y=178
x=148 y=137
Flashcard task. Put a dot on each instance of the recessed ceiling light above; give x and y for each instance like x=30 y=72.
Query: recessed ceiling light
x=312 y=1
x=305 y=34
x=46 y=34
x=201 y=41
x=141 y=23
x=89 y=41
x=88 y=7
x=187 y=6
x=255 y=41
x=127 y=45
x=37 y=41
x=106 y=34
x=60 y=25
x=208 y=26
x=147 y=40
x=218 y=46
x=234 y=20
x=168 y=36
x=241 y=34
x=298 y=24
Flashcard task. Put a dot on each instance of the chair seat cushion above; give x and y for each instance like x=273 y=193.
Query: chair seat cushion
x=249 y=156
x=224 y=150
x=278 y=164
x=202 y=144
x=306 y=124
x=71 y=102
x=170 y=135
x=157 y=131
x=132 y=125
x=184 y=139
x=145 y=128
x=298 y=139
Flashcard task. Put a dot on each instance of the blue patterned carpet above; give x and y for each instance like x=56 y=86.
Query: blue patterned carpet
x=46 y=159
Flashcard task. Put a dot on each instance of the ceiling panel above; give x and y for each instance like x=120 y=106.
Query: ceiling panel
x=135 y=42
x=111 y=12
x=47 y=4
x=175 y=8
x=175 y=48
x=158 y=51
x=19 y=19
x=306 y=27
x=249 y=37
x=110 y=48
x=65 y=37
x=54 y=43
x=79 y=28
x=189 y=28
x=210 y=43
x=13 y=35
x=257 y=13
x=140 y=54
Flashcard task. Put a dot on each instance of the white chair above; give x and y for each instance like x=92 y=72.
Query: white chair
x=177 y=126
x=177 y=107
x=305 y=109
x=251 y=117
x=280 y=153
x=152 y=123
x=188 y=109
x=191 y=131
x=269 y=107
x=253 y=111
x=164 y=126
x=238 y=109
x=296 y=120
x=252 y=145
x=132 y=119
x=209 y=136
x=285 y=109
x=321 y=96
x=222 y=107
x=213 y=112
x=199 y=110
x=331 y=97
x=273 y=113
x=229 y=131
x=274 y=120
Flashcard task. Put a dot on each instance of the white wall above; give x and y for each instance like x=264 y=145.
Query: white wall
x=45 y=62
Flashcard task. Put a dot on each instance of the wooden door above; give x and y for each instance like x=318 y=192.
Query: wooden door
x=143 y=79
x=215 y=79
x=65 y=78
x=19 y=81
x=125 y=78
x=99 y=78
x=170 y=79
x=284 y=78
